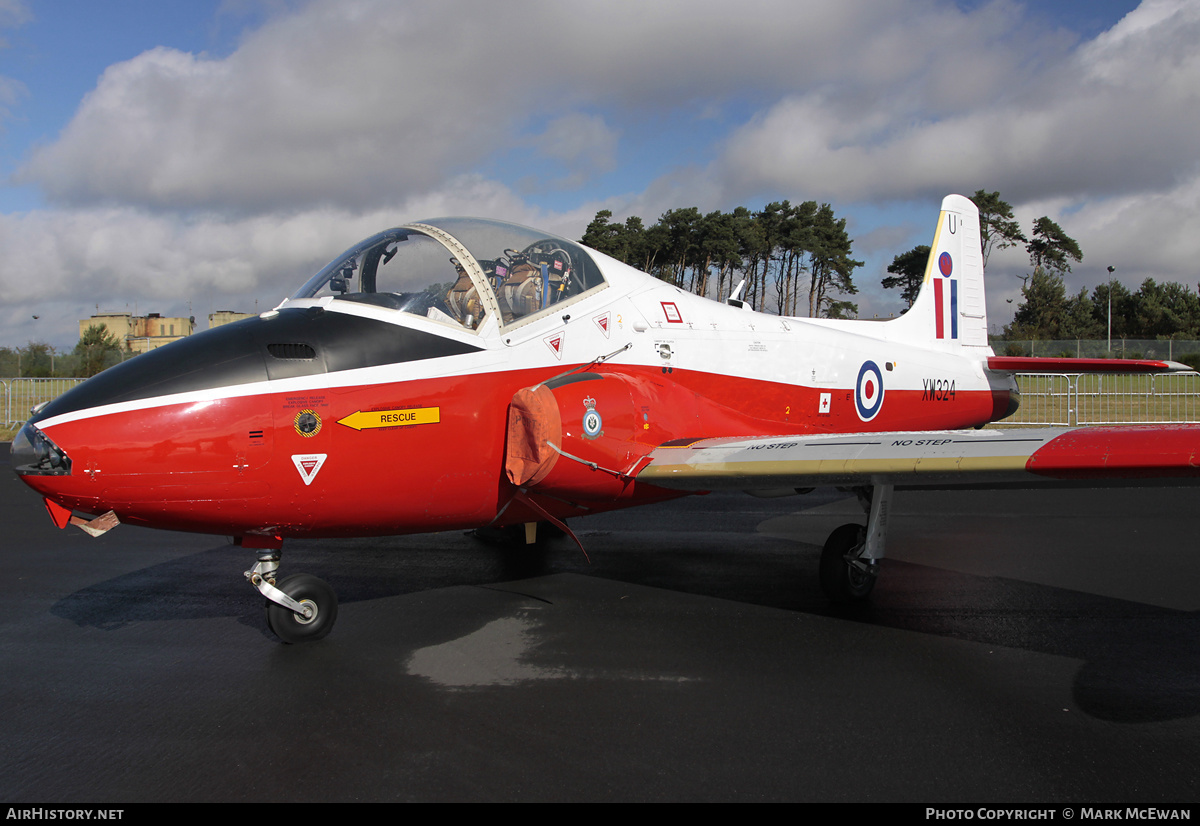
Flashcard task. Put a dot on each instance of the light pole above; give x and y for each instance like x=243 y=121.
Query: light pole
x=1111 y=270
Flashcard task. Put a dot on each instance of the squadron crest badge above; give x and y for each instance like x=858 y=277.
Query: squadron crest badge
x=592 y=423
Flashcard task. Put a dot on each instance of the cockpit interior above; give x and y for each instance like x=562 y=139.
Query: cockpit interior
x=461 y=271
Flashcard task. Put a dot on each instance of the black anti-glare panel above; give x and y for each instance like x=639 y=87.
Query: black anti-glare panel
x=248 y=351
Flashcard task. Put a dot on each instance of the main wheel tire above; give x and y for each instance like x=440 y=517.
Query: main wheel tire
x=839 y=580
x=307 y=590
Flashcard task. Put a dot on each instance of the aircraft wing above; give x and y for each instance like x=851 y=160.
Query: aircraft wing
x=1038 y=364
x=1089 y=456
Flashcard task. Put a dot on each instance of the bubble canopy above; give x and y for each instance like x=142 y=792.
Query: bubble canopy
x=460 y=271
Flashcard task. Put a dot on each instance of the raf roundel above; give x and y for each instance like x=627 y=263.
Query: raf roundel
x=945 y=264
x=868 y=392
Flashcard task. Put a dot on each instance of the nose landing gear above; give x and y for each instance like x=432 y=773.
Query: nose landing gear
x=300 y=608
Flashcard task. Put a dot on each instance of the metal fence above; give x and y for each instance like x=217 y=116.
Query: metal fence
x=1171 y=349
x=1070 y=399
x=21 y=395
x=1045 y=400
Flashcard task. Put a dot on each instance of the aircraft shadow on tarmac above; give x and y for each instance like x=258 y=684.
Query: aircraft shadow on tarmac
x=1141 y=663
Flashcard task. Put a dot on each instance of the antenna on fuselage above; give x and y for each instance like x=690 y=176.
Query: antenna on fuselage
x=735 y=297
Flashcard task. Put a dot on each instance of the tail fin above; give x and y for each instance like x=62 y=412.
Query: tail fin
x=951 y=309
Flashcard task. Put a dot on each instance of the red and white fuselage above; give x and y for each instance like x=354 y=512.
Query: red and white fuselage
x=347 y=411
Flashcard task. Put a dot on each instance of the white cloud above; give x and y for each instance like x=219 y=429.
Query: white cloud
x=13 y=13
x=189 y=175
x=363 y=102
x=1148 y=235
x=1143 y=235
x=11 y=91
x=583 y=143
x=60 y=264
x=1120 y=115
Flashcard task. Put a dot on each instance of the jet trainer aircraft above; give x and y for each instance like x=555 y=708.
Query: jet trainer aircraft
x=464 y=373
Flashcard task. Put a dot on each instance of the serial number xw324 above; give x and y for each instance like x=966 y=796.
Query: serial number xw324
x=937 y=390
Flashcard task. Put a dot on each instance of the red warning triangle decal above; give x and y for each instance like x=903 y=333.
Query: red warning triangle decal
x=309 y=465
x=555 y=343
x=602 y=323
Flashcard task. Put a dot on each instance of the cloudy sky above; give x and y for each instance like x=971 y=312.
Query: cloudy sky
x=187 y=157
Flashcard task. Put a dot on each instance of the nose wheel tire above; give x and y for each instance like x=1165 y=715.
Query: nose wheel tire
x=845 y=577
x=310 y=592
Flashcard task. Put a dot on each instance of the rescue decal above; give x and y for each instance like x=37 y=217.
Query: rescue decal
x=868 y=391
x=372 y=419
x=826 y=401
x=602 y=322
x=309 y=465
x=937 y=390
x=592 y=423
x=307 y=423
x=555 y=343
x=671 y=312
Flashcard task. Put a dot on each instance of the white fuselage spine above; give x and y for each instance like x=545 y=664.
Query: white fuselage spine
x=707 y=336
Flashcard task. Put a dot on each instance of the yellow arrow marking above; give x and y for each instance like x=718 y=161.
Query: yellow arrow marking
x=364 y=419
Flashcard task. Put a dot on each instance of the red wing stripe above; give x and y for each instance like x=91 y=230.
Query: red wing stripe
x=1030 y=364
x=1125 y=455
x=1120 y=453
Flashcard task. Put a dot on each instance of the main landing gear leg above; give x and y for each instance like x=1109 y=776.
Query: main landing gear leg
x=300 y=608
x=850 y=559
